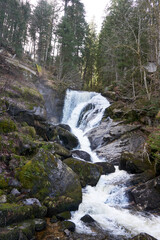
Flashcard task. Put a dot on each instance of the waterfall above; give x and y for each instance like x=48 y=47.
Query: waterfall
x=106 y=202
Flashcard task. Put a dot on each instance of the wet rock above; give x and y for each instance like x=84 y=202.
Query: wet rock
x=65 y=126
x=81 y=154
x=69 y=140
x=143 y=236
x=63 y=216
x=107 y=167
x=110 y=139
x=147 y=195
x=88 y=173
x=62 y=151
x=40 y=224
x=15 y=192
x=51 y=181
x=68 y=225
x=87 y=219
x=135 y=162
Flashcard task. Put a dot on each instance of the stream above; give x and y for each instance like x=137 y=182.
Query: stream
x=107 y=202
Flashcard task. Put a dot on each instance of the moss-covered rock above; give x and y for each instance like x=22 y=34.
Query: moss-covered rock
x=135 y=163
x=88 y=173
x=153 y=144
x=46 y=175
x=62 y=151
x=68 y=139
x=13 y=213
x=64 y=216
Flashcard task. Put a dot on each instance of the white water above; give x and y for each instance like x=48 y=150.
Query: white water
x=106 y=202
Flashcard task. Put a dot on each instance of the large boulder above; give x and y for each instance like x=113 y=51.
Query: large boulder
x=51 y=181
x=135 y=163
x=88 y=173
x=147 y=195
x=110 y=139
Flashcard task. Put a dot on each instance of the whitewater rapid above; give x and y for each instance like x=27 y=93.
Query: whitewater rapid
x=106 y=202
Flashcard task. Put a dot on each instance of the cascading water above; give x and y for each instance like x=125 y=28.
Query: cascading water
x=106 y=202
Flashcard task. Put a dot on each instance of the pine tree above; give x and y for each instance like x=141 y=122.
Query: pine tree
x=71 y=33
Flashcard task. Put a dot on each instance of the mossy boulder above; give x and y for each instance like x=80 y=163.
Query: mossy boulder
x=88 y=173
x=13 y=213
x=62 y=151
x=135 y=163
x=47 y=176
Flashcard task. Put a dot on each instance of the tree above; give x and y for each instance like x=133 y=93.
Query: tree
x=71 y=33
x=89 y=56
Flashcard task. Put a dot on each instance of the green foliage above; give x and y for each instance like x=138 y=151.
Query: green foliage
x=7 y=125
x=154 y=145
x=71 y=33
x=14 y=17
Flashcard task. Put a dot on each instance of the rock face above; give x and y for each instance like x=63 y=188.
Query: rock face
x=147 y=195
x=49 y=179
x=110 y=139
x=53 y=102
x=88 y=173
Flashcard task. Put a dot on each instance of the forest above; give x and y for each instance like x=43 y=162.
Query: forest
x=125 y=54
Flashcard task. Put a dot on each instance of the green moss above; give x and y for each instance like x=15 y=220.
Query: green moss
x=7 y=125
x=3 y=182
x=31 y=172
x=1 y=192
x=30 y=131
x=154 y=145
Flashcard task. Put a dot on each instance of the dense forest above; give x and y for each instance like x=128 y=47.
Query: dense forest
x=125 y=54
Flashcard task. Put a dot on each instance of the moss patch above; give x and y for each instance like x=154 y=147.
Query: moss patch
x=7 y=125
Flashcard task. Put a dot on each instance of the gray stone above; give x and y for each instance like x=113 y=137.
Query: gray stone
x=32 y=201
x=15 y=192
